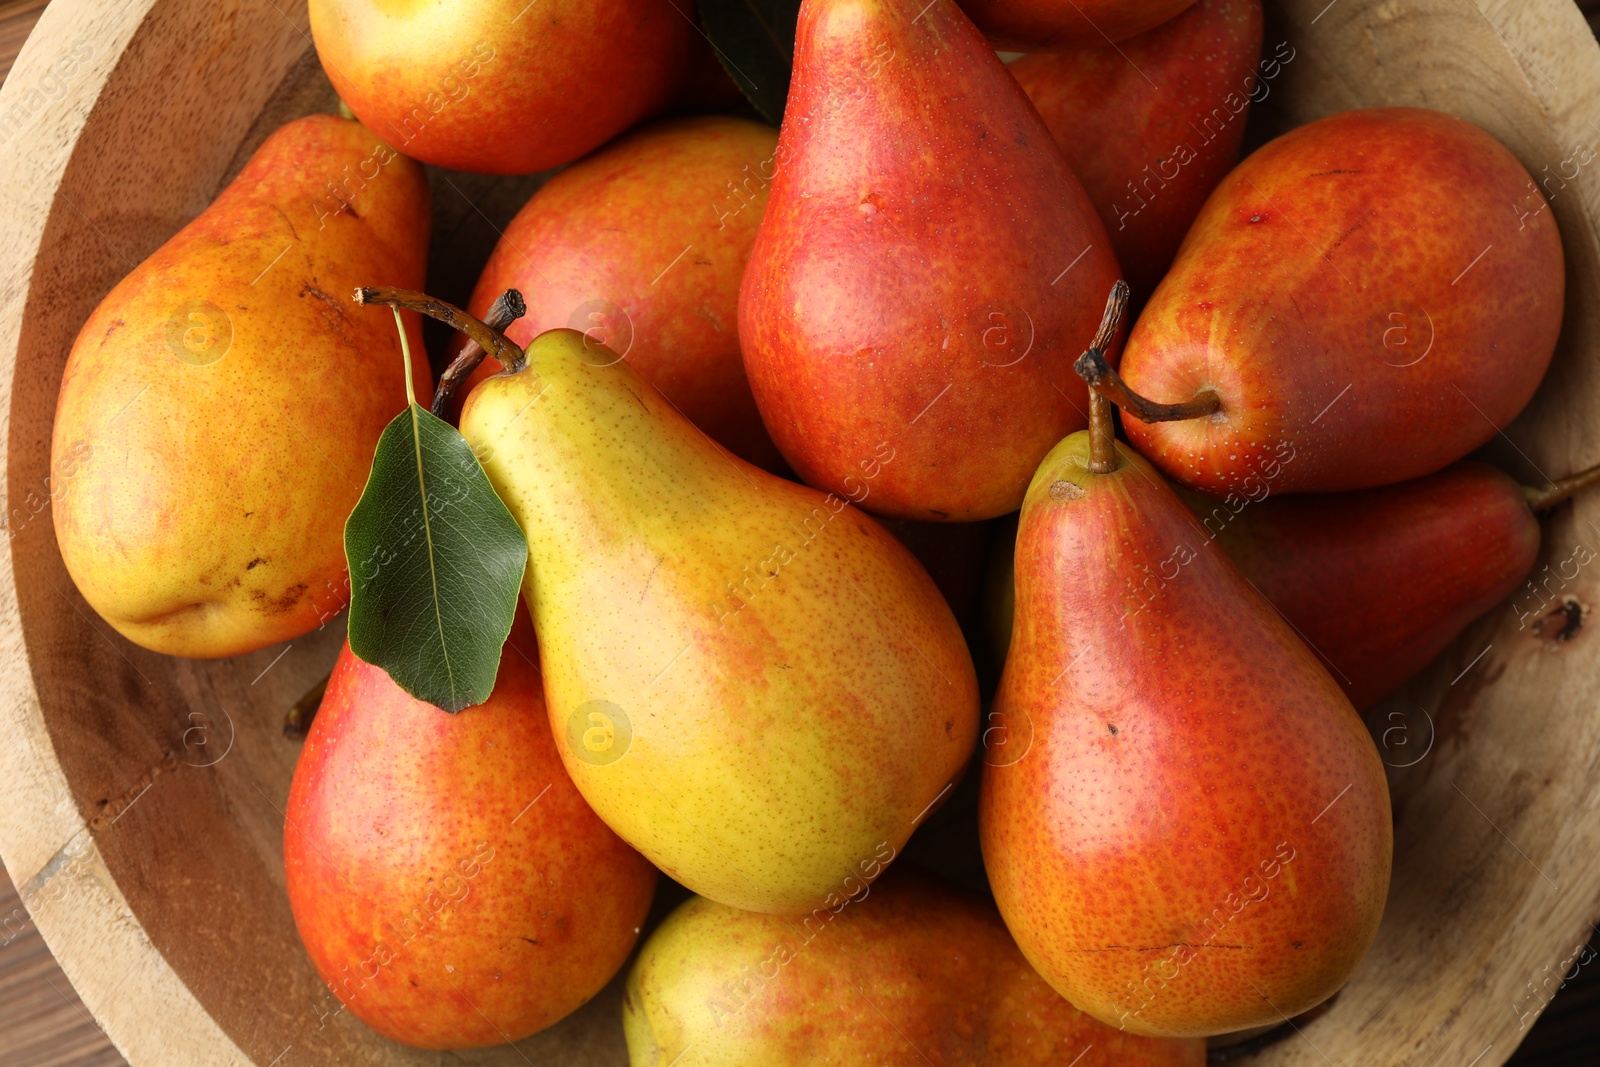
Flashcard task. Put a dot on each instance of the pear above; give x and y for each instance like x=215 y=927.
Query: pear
x=927 y=269
x=641 y=247
x=904 y=973
x=449 y=883
x=1154 y=123
x=1378 y=291
x=219 y=410
x=1048 y=25
x=1192 y=834
x=504 y=86
x=752 y=682
x=1379 y=581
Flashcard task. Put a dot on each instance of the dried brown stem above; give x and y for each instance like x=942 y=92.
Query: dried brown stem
x=1102 y=432
x=1103 y=380
x=1560 y=489
x=1102 y=436
x=506 y=309
x=491 y=340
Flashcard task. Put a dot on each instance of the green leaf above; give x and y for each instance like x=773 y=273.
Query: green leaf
x=754 y=39
x=436 y=564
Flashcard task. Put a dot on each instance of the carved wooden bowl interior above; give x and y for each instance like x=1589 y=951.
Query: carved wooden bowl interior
x=154 y=867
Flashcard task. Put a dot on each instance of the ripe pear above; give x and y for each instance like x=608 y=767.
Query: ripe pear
x=220 y=408
x=1046 y=25
x=752 y=682
x=1193 y=834
x=904 y=973
x=1376 y=581
x=928 y=268
x=641 y=247
x=1379 y=290
x=449 y=883
x=503 y=86
x=1379 y=581
x=1154 y=123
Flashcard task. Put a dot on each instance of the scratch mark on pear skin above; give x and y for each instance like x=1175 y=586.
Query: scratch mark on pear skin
x=287 y=221
x=659 y=561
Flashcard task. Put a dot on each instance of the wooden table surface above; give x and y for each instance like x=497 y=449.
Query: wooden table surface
x=44 y=1024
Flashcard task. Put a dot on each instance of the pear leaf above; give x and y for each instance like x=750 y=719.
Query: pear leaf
x=754 y=39
x=436 y=564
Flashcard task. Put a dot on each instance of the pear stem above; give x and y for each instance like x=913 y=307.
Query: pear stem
x=507 y=308
x=1104 y=381
x=1560 y=489
x=504 y=349
x=298 y=719
x=1102 y=432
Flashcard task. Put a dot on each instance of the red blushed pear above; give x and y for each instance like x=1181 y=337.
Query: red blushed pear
x=1197 y=837
x=503 y=86
x=642 y=247
x=1380 y=581
x=449 y=883
x=1046 y=25
x=908 y=973
x=927 y=269
x=1378 y=290
x=1154 y=123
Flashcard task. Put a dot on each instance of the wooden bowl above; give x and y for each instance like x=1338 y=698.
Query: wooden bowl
x=143 y=796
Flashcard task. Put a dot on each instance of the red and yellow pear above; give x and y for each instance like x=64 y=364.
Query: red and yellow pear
x=219 y=410
x=903 y=973
x=750 y=680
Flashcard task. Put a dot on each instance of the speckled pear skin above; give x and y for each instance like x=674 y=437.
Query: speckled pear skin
x=1047 y=25
x=1154 y=123
x=1378 y=290
x=782 y=693
x=908 y=973
x=449 y=883
x=1193 y=833
x=219 y=411
x=928 y=269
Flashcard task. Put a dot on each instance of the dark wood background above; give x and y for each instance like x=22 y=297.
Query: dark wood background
x=44 y=1024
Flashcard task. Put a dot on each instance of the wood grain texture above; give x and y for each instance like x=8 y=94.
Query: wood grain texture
x=42 y=1021
x=154 y=869
x=16 y=22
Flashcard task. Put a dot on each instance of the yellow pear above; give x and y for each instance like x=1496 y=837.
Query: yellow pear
x=907 y=973
x=220 y=408
x=750 y=681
